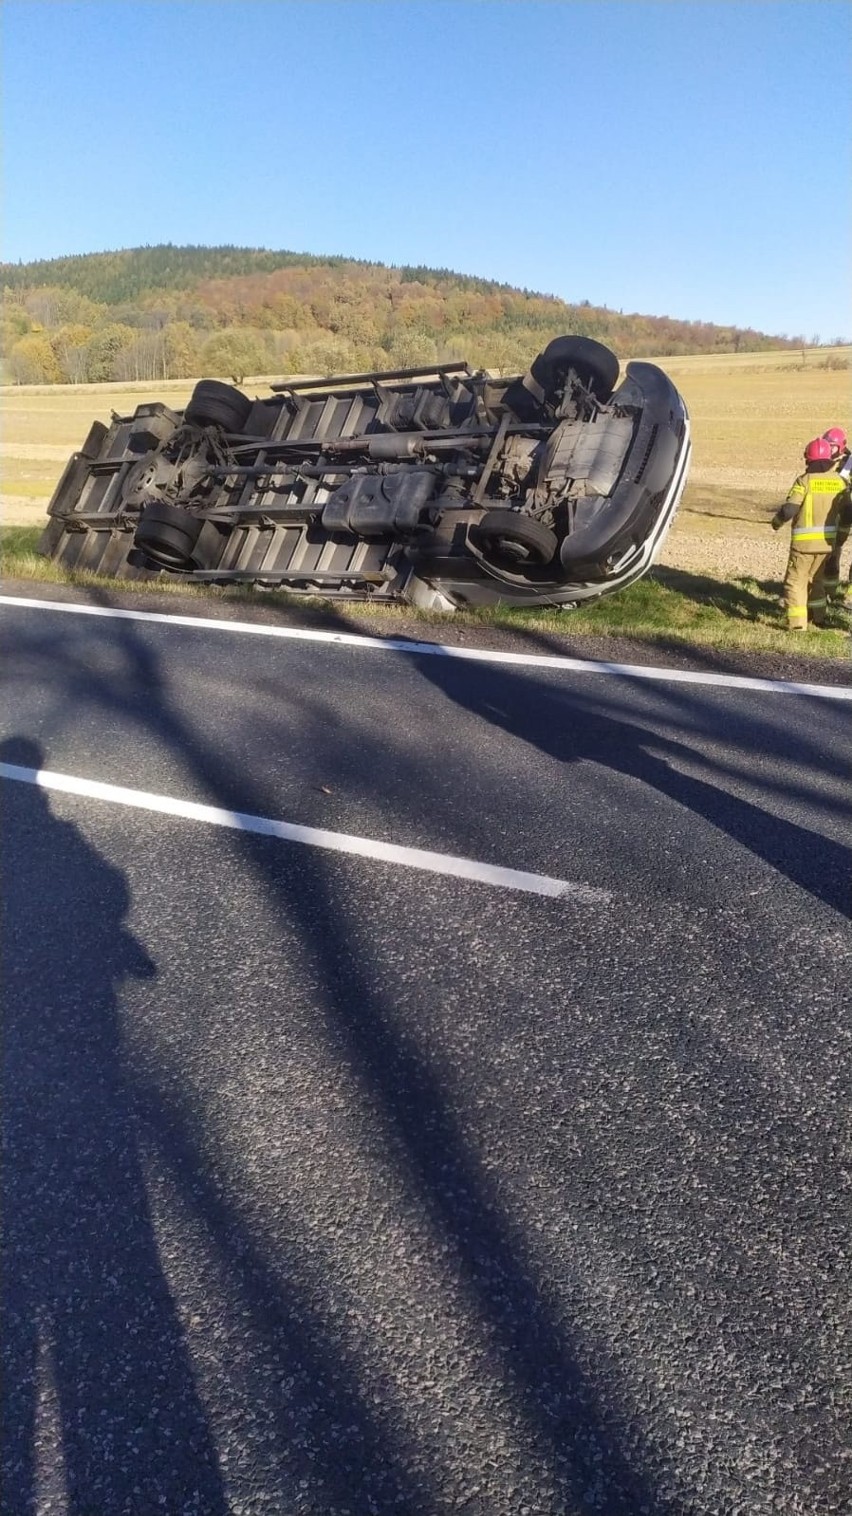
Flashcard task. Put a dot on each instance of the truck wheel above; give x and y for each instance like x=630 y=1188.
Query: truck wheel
x=593 y=364
x=216 y=404
x=167 y=534
x=509 y=540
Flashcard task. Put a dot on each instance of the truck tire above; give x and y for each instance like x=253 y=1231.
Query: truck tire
x=217 y=404
x=509 y=540
x=167 y=534
x=593 y=364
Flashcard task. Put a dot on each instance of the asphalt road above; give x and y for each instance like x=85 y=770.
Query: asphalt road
x=334 y=1185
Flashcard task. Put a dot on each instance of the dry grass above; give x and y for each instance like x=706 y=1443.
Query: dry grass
x=817 y=358
x=749 y=427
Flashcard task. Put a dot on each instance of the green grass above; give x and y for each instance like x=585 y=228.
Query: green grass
x=18 y=540
x=668 y=607
x=32 y=489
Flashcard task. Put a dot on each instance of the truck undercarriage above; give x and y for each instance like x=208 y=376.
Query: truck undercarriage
x=442 y=487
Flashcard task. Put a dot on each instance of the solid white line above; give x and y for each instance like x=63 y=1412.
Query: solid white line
x=441 y=650
x=334 y=842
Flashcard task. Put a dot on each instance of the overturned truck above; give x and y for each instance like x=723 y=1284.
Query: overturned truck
x=441 y=487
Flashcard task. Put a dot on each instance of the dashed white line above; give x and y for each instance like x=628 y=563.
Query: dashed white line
x=442 y=650
x=311 y=836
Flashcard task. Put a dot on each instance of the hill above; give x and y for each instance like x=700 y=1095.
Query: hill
x=170 y=312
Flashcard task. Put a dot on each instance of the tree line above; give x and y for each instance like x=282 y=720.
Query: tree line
x=183 y=312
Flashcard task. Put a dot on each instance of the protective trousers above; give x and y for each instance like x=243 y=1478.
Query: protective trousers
x=834 y=588
x=804 y=588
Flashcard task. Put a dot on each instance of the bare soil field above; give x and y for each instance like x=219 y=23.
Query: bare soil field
x=751 y=415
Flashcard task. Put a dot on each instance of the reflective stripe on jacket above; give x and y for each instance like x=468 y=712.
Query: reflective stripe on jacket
x=822 y=519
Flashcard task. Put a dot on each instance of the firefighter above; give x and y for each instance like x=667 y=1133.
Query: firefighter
x=841 y=460
x=819 y=507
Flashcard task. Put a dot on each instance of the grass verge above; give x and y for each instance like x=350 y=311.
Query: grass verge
x=668 y=606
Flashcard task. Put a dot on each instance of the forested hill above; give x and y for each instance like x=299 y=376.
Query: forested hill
x=135 y=273
x=177 y=312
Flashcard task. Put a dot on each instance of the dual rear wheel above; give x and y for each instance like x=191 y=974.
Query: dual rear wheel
x=167 y=534
x=217 y=404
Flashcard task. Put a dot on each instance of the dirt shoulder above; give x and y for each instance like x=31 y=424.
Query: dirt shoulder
x=730 y=547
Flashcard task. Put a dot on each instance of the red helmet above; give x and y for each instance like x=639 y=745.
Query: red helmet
x=818 y=451
x=836 y=437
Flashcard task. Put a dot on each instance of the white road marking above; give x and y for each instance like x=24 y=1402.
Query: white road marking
x=311 y=836
x=441 y=650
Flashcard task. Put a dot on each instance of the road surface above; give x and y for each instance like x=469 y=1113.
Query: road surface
x=341 y=1179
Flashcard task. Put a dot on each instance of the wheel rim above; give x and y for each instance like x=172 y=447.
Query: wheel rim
x=515 y=552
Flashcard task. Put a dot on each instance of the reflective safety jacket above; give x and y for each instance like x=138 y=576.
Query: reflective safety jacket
x=820 y=507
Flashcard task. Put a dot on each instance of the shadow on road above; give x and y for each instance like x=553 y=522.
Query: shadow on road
x=576 y=1435
x=569 y=728
x=89 y=1326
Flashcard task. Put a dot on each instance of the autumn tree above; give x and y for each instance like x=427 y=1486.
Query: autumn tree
x=233 y=354
x=411 y=346
x=71 y=346
x=181 y=350
x=33 y=361
x=105 y=345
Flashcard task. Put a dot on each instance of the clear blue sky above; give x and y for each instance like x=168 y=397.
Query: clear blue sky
x=674 y=158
